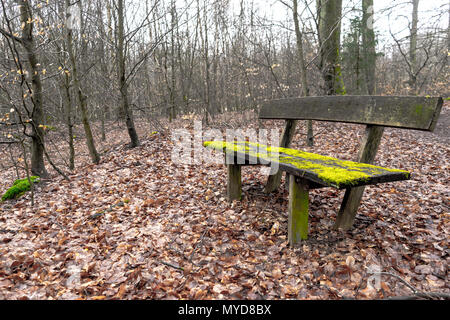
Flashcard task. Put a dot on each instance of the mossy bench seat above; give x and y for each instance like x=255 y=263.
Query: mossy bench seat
x=307 y=171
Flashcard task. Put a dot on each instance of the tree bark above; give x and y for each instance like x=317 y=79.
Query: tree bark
x=369 y=50
x=82 y=99
x=329 y=16
x=208 y=110
x=69 y=123
x=123 y=85
x=37 y=114
x=173 y=113
x=301 y=61
x=413 y=49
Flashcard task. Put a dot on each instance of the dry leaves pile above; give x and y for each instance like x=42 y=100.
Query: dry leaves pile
x=137 y=226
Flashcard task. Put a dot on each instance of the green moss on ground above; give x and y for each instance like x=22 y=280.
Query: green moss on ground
x=331 y=170
x=18 y=188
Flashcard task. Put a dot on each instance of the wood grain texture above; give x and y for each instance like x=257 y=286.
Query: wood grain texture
x=298 y=210
x=234 y=184
x=409 y=112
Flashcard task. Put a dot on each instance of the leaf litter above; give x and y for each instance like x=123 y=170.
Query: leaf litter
x=137 y=226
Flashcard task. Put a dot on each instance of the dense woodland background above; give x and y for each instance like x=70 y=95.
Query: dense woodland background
x=100 y=63
x=89 y=94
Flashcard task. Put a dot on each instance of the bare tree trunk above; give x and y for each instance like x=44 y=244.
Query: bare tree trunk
x=413 y=49
x=37 y=114
x=123 y=85
x=301 y=61
x=369 y=50
x=82 y=99
x=447 y=55
x=103 y=109
x=329 y=15
x=204 y=38
x=172 y=114
x=68 y=109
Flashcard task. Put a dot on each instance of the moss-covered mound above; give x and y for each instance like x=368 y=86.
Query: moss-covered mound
x=19 y=187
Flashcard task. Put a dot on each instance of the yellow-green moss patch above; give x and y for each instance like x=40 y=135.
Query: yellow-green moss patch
x=328 y=169
x=18 y=188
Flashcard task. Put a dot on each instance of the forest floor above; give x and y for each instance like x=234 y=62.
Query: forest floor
x=138 y=226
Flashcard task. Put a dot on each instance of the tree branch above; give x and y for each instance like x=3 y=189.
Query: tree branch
x=11 y=36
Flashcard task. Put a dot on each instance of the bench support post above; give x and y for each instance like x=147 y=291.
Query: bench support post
x=274 y=181
x=349 y=208
x=352 y=198
x=298 y=210
x=234 y=184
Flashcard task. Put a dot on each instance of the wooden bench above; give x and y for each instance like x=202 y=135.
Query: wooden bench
x=309 y=171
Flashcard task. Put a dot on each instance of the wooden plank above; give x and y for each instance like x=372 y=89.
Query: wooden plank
x=234 y=184
x=322 y=170
x=420 y=113
x=298 y=210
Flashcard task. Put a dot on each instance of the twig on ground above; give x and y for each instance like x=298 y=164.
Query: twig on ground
x=416 y=293
x=171 y=265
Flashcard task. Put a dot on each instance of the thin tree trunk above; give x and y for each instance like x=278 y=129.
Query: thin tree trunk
x=103 y=109
x=301 y=61
x=413 y=49
x=37 y=138
x=329 y=15
x=369 y=50
x=172 y=114
x=82 y=99
x=69 y=123
x=134 y=140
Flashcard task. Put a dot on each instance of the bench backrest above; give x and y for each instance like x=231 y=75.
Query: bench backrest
x=420 y=113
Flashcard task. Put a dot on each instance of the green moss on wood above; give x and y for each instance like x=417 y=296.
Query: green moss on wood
x=419 y=109
x=18 y=188
x=330 y=170
x=298 y=211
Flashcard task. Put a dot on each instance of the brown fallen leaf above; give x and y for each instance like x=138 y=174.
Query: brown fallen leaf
x=122 y=290
x=276 y=273
x=275 y=228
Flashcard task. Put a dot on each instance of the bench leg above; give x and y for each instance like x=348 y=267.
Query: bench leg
x=234 y=184
x=298 y=210
x=349 y=208
x=367 y=152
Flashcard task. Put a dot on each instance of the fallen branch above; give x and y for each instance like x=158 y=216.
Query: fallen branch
x=416 y=293
x=406 y=283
